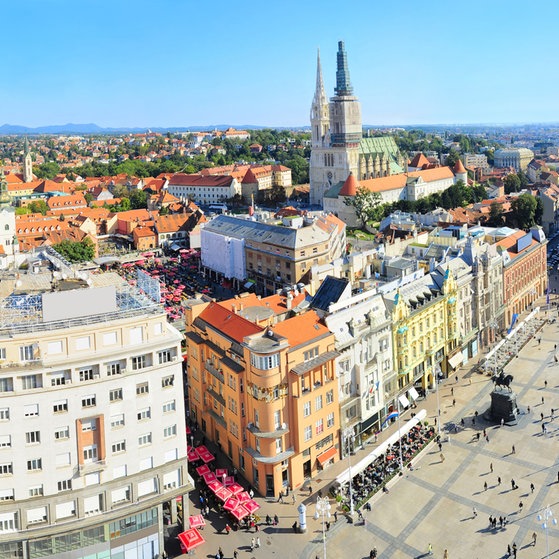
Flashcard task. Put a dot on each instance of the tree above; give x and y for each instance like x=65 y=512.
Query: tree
x=523 y=211
x=277 y=194
x=452 y=158
x=47 y=170
x=512 y=183
x=80 y=251
x=495 y=215
x=38 y=207
x=366 y=204
x=539 y=211
x=138 y=199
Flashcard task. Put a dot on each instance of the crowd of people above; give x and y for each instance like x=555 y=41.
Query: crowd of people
x=384 y=467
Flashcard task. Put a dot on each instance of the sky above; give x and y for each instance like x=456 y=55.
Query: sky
x=179 y=63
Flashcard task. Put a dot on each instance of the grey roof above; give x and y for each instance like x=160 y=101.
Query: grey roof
x=329 y=292
x=264 y=233
x=316 y=362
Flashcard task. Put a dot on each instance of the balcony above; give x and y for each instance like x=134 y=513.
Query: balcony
x=217 y=418
x=283 y=429
x=256 y=456
x=91 y=467
x=217 y=373
x=216 y=396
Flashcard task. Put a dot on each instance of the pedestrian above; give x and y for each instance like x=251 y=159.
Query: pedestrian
x=528 y=409
x=257 y=542
x=543 y=399
x=509 y=550
x=545 y=383
x=310 y=490
x=490 y=521
x=491 y=467
x=539 y=341
x=477 y=436
x=335 y=516
x=474 y=511
x=484 y=433
x=541 y=415
x=462 y=422
x=456 y=378
x=543 y=428
x=327 y=526
x=276 y=520
x=360 y=515
x=252 y=544
x=502 y=421
x=440 y=446
x=501 y=521
x=280 y=498
x=453 y=402
x=268 y=519
x=452 y=391
x=227 y=528
x=485 y=486
x=442 y=457
x=513 y=549
x=445 y=555
x=430 y=547
x=513 y=483
x=534 y=538
x=221 y=554
x=520 y=506
x=486 y=438
x=499 y=480
x=532 y=487
x=256 y=527
x=294 y=527
x=293 y=497
x=552 y=413
x=513 y=449
x=235 y=554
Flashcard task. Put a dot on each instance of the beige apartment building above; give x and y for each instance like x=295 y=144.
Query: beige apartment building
x=92 y=423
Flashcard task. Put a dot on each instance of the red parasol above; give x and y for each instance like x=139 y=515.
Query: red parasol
x=231 y=504
x=214 y=485
x=196 y=521
x=235 y=488
x=220 y=472
x=192 y=455
x=190 y=539
x=202 y=470
x=251 y=506
x=243 y=497
x=240 y=512
x=223 y=493
x=209 y=477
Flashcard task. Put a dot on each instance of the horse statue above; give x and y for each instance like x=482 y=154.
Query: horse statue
x=502 y=380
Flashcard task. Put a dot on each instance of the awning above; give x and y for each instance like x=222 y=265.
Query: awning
x=412 y=393
x=327 y=455
x=456 y=360
x=404 y=402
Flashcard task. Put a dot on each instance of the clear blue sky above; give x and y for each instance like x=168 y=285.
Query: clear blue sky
x=185 y=63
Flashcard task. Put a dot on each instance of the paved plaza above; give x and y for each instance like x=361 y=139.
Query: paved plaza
x=435 y=503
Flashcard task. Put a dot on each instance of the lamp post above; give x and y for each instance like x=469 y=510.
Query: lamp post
x=349 y=438
x=437 y=371
x=545 y=518
x=323 y=509
x=399 y=434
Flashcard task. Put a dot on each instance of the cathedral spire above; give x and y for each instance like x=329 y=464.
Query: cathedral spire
x=343 y=85
x=26 y=146
x=319 y=94
x=320 y=110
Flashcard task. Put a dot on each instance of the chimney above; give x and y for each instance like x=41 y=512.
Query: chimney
x=289 y=301
x=234 y=308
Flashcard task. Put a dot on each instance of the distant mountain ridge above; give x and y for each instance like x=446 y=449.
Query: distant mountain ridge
x=91 y=128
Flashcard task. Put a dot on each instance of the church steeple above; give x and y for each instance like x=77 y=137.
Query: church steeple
x=343 y=84
x=320 y=110
x=27 y=162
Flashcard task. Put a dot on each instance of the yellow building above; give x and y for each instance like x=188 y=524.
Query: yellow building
x=424 y=329
x=264 y=389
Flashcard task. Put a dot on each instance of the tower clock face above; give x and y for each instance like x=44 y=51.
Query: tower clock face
x=329 y=175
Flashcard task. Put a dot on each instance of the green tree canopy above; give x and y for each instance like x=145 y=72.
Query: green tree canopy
x=496 y=218
x=47 y=170
x=512 y=183
x=38 y=207
x=523 y=211
x=80 y=251
x=367 y=205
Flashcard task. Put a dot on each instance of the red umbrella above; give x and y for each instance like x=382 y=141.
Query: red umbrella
x=229 y=480
x=220 y=472
x=243 y=497
x=202 y=470
x=202 y=448
x=214 y=485
x=223 y=493
x=251 y=506
x=240 y=512
x=190 y=539
x=196 y=521
x=192 y=455
x=231 y=504
x=206 y=457
x=235 y=488
x=209 y=477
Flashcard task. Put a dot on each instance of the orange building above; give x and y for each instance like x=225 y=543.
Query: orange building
x=263 y=387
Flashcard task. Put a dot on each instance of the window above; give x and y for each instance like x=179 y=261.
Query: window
x=319 y=426
x=4 y=414
x=277 y=419
x=33 y=437
x=306 y=409
x=115 y=395
x=29 y=382
x=330 y=420
x=142 y=388
x=329 y=396
x=26 y=353
x=6 y=384
x=36 y=491
x=158 y=328
x=86 y=374
x=65 y=485
x=109 y=338
x=166 y=382
x=6 y=494
x=168 y=406
x=6 y=469
x=60 y=378
x=83 y=343
x=60 y=406
x=90 y=453
x=139 y=362
x=2 y=353
x=119 y=446
x=164 y=356
x=144 y=439
x=117 y=420
x=170 y=431
x=318 y=403
x=89 y=401
x=62 y=433
x=35 y=464
x=144 y=414
x=31 y=410
x=265 y=362
x=310 y=354
x=89 y=425
x=113 y=369
x=279 y=446
x=5 y=441
x=308 y=433
x=136 y=336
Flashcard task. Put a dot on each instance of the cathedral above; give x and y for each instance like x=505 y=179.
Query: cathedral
x=338 y=145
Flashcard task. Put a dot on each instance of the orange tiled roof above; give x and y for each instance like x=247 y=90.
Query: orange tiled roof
x=226 y=321
x=301 y=329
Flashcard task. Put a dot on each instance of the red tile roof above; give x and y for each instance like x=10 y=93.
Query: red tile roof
x=230 y=324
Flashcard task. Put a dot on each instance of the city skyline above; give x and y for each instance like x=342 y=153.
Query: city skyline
x=191 y=65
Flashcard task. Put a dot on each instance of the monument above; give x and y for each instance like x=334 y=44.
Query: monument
x=503 y=400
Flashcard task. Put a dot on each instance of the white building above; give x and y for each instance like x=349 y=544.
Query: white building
x=92 y=438
x=203 y=189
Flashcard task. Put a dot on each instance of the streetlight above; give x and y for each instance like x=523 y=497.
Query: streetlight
x=349 y=438
x=545 y=518
x=323 y=509
x=399 y=435
x=437 y=371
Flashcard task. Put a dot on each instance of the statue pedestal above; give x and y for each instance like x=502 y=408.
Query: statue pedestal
x=503 y=406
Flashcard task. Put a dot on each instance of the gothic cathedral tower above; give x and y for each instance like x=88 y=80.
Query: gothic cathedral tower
x=336 y=131
x=27 y=163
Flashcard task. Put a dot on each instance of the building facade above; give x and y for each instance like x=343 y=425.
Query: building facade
x=93 y=428
x=517 y=158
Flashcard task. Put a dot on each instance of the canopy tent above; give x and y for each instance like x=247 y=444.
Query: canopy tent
x=196 y=521
x=220 y=472
x=229 y=480
x=192 y=455
x=214 y=485
x=209 y=477
x=243 y=497
x=231 y=504
x=223 y=493
x=190 y=539
x=206 y=457
x=235 y=488
x=202 y=470
x=251 y=506
x=240 y=512
x=413 y=394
